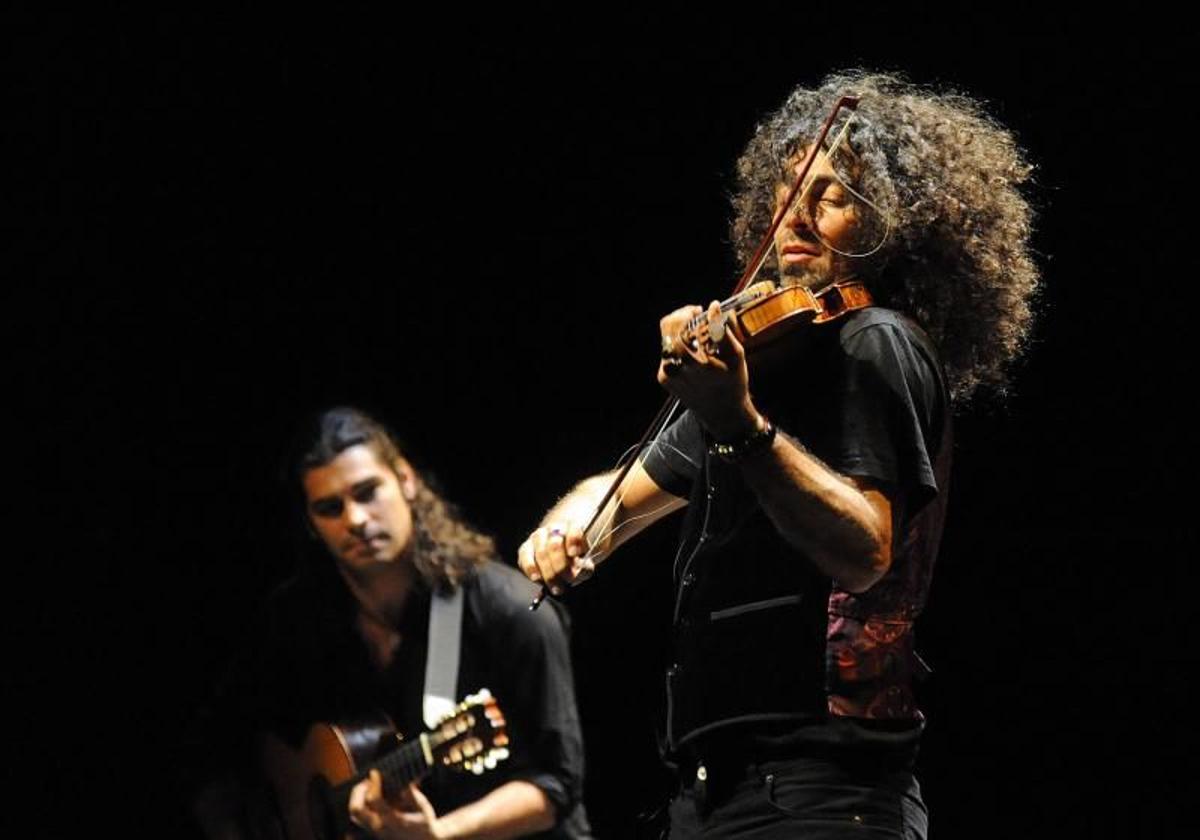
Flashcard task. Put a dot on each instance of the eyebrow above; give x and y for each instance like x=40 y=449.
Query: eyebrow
x=365 y=484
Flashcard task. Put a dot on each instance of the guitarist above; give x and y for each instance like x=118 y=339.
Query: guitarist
x=350 y=634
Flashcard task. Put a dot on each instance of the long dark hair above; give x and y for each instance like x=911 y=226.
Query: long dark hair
x=947 y=179
x=446 y=547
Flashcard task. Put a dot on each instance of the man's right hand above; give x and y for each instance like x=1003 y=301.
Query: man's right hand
x=558 y=555
x=555 y=556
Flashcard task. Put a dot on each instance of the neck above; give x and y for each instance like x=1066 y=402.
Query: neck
x=382 y=592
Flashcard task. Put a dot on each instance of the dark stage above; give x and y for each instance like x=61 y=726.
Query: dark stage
x=472 y=228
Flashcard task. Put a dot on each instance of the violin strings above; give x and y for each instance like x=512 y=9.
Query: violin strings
x=605 y=531
x=652 y=442
x=633 y=519
x=620 y=496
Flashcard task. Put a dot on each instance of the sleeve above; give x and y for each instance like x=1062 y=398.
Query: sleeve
x=539 y=700
x=892 y=404
x=674 y=459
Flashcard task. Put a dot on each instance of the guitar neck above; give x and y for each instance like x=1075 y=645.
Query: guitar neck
x=410 y=763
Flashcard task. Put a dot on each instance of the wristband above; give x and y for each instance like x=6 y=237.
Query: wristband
x=738 y=450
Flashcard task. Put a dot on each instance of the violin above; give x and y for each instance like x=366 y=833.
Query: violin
x=756 y=312
x=762 y=313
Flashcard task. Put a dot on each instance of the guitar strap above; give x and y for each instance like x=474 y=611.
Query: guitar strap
x=441 y=661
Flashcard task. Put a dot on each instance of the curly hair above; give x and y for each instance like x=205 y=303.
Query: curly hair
x=445 y=546
x=946 y=179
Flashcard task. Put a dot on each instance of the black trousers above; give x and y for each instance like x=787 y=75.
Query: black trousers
x=798 y=799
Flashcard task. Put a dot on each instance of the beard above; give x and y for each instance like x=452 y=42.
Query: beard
x=812 y=275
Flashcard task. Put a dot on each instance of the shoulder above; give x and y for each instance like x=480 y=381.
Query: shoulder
x=500 y=595
x=500 y=585
x=886 y=337
x=876 y=323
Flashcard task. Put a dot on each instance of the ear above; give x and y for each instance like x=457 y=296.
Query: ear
x=407 y=477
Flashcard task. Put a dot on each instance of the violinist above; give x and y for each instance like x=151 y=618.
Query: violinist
x=814 y=472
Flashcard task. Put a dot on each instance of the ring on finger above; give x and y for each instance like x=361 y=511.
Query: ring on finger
x=562 y=535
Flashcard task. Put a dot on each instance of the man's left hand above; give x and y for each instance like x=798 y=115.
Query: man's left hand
x=717 y=389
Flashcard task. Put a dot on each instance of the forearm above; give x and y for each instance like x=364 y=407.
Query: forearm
x=843 y=526
x=514 y=809
x=579 y=508
x=821 y=513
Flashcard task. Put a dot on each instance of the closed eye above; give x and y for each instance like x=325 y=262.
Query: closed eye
x=364 y=491
x=328 y=508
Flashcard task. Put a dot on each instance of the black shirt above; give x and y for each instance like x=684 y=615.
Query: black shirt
x=758 y=631
x=313 y=666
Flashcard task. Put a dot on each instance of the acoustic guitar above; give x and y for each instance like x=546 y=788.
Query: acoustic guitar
x=310 y=786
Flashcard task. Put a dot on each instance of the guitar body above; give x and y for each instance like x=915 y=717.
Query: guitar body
x=309 y=787
x=308 y=784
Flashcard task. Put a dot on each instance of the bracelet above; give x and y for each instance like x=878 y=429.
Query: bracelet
x=739 y=450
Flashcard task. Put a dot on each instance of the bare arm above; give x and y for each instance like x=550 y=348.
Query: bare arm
x=560 y=553
x=844 y=525
x=514 y=809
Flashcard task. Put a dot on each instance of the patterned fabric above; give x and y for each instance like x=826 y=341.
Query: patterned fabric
x=870 y=668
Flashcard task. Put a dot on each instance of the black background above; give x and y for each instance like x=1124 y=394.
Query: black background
x=471 y=225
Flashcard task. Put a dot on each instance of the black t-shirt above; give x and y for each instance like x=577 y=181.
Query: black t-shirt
x=758 y=631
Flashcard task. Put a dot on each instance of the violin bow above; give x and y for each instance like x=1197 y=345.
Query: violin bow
x=753 y=266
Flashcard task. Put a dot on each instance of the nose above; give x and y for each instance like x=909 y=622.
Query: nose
x=797 y=218
x=355 y=516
